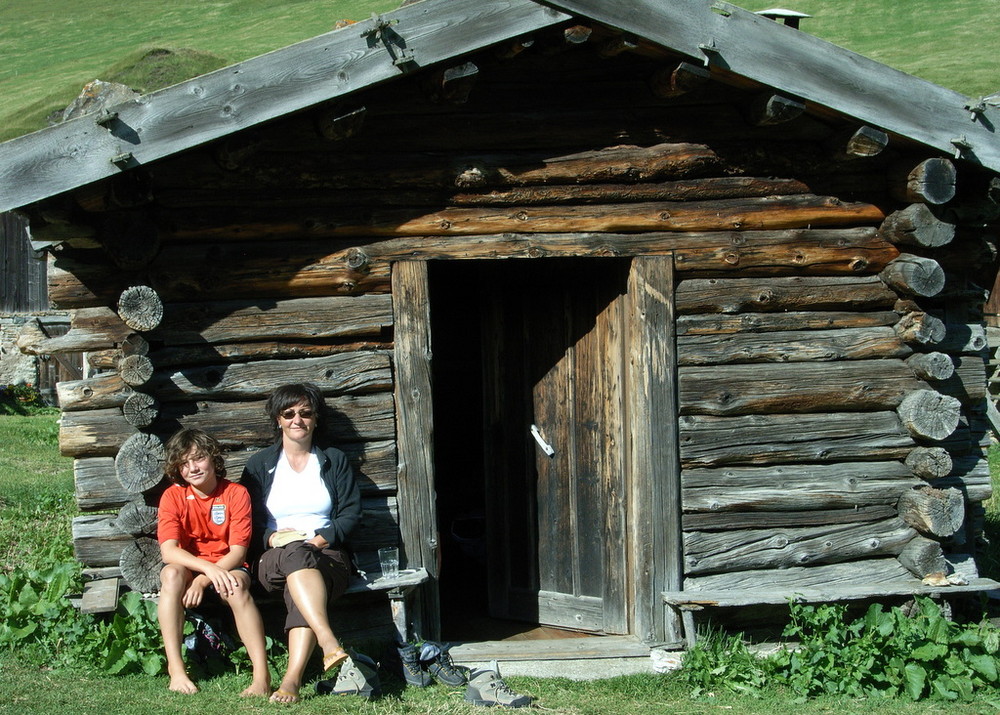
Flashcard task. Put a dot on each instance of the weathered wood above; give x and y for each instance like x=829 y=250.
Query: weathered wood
x=800 y=211
x=453 y=85
x=767 y=109
x=968 y=338
x=93 y=393
x=707 y=552
x=869 y=572
x=706 y=189
x=936 y=512
x=653 y=455
x=135 y=370
x=97 y=433
x=140 y=410
x=139 y=463
x=669 y=82
x=914 y=275
x=790 y=346
x=782 y=388
x=140 y=308
x=140 y=562
x=725 y=324
x=130 y=239
x=241 y=321
x=411 y=309
x=268 y=269
x=342 y=373
x=96 y=542
x=96 y=486
x=931 y=366
x=968 y=383
x=101 y=596
x=861 y=143
x=730 y=520
x=919 y=328
x=923 y=556
x=218 y=354
x=747 y=295
x=927 y=414
x=252 y=271
x=795 y=488
x=710 y=441
x=90 y=329
x=929 y=462
x=136 y=519
x=577 y=34
x=916 y=225
x=338 y=124
x=932 y=181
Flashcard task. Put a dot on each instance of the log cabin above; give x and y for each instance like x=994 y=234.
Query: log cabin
x=624 y=309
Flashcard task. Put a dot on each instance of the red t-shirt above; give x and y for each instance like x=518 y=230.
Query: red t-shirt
x=205 y=526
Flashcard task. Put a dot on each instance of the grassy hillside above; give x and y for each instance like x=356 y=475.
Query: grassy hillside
x=51 y=48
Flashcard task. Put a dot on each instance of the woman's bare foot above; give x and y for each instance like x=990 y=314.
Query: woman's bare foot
x=181 y=683
x=286 y=694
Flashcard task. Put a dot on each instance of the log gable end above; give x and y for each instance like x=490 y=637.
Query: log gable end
x=817 y=342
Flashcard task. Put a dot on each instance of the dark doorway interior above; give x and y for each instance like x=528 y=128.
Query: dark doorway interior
x=466 y=359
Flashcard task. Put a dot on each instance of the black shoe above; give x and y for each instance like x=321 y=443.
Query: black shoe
x=437 y=660
x=413 y=673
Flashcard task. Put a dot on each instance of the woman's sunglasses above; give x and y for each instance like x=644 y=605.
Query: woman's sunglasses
x=305 y=414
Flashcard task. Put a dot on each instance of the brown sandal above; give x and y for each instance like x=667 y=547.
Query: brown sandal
x=332 y=660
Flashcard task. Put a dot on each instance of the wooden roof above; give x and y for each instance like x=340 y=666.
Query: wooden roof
x=383 y=48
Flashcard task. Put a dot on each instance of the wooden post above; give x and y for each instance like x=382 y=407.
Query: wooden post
x=654 y=463
x=931 y=366
x=415 y=430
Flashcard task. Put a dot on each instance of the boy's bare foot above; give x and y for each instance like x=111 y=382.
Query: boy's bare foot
x=182 y=684
x=257 y=689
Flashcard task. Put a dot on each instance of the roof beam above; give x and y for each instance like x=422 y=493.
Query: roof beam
x=726 y=37
x=81 y=151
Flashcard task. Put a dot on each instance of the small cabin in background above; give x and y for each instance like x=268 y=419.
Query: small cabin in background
x=24 y=299
x=625 y=310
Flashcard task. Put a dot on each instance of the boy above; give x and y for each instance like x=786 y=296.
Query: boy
x=204 y=532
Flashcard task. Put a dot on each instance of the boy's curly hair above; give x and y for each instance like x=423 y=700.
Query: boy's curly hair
x=183 y=442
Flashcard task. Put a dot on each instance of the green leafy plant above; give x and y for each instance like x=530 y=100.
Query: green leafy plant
x=723 y=662
x=22 y=399
x=887 y=653
x=132 y=642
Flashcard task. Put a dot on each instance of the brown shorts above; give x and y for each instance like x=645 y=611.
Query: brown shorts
x=277 y=563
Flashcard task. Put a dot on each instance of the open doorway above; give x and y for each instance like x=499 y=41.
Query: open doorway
x=532 y=522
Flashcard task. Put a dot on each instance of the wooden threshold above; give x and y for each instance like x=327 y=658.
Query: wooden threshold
x=550 y=649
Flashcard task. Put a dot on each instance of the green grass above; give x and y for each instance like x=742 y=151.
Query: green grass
x=51 y=48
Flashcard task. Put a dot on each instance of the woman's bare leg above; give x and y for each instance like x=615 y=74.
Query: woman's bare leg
x=301 y=643
x=309 y=593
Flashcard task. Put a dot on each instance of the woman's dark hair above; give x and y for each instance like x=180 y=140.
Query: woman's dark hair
x=183 y=442
x=290 y=395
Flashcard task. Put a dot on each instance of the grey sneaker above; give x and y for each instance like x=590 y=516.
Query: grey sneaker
x=438 y=662
x=413 y=672
x=358 y=676
x=486 y=687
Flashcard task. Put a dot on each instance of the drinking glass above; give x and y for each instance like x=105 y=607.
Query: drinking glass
x=388 y=557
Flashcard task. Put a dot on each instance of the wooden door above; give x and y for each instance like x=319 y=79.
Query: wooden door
x=554 y=358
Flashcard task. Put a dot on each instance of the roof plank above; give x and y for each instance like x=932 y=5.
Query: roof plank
x=81 y=151
x=795 y=62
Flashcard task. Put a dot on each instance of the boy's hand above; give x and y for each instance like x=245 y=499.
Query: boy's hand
x=195 y=592
x=225 y=583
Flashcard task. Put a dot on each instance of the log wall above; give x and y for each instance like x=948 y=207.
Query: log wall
x=827 y=339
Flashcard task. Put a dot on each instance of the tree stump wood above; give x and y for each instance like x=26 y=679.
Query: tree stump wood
x=140 y=308
x=139 y=464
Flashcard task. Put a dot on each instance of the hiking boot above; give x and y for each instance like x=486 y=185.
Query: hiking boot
x=358 y=676
x=413 y=673
x=486 y=687
x=435 y=658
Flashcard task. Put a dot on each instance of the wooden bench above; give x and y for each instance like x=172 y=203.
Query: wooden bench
x=685 y=603
x=402 y=593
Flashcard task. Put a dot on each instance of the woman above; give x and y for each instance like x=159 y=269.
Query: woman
x=306 y=503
